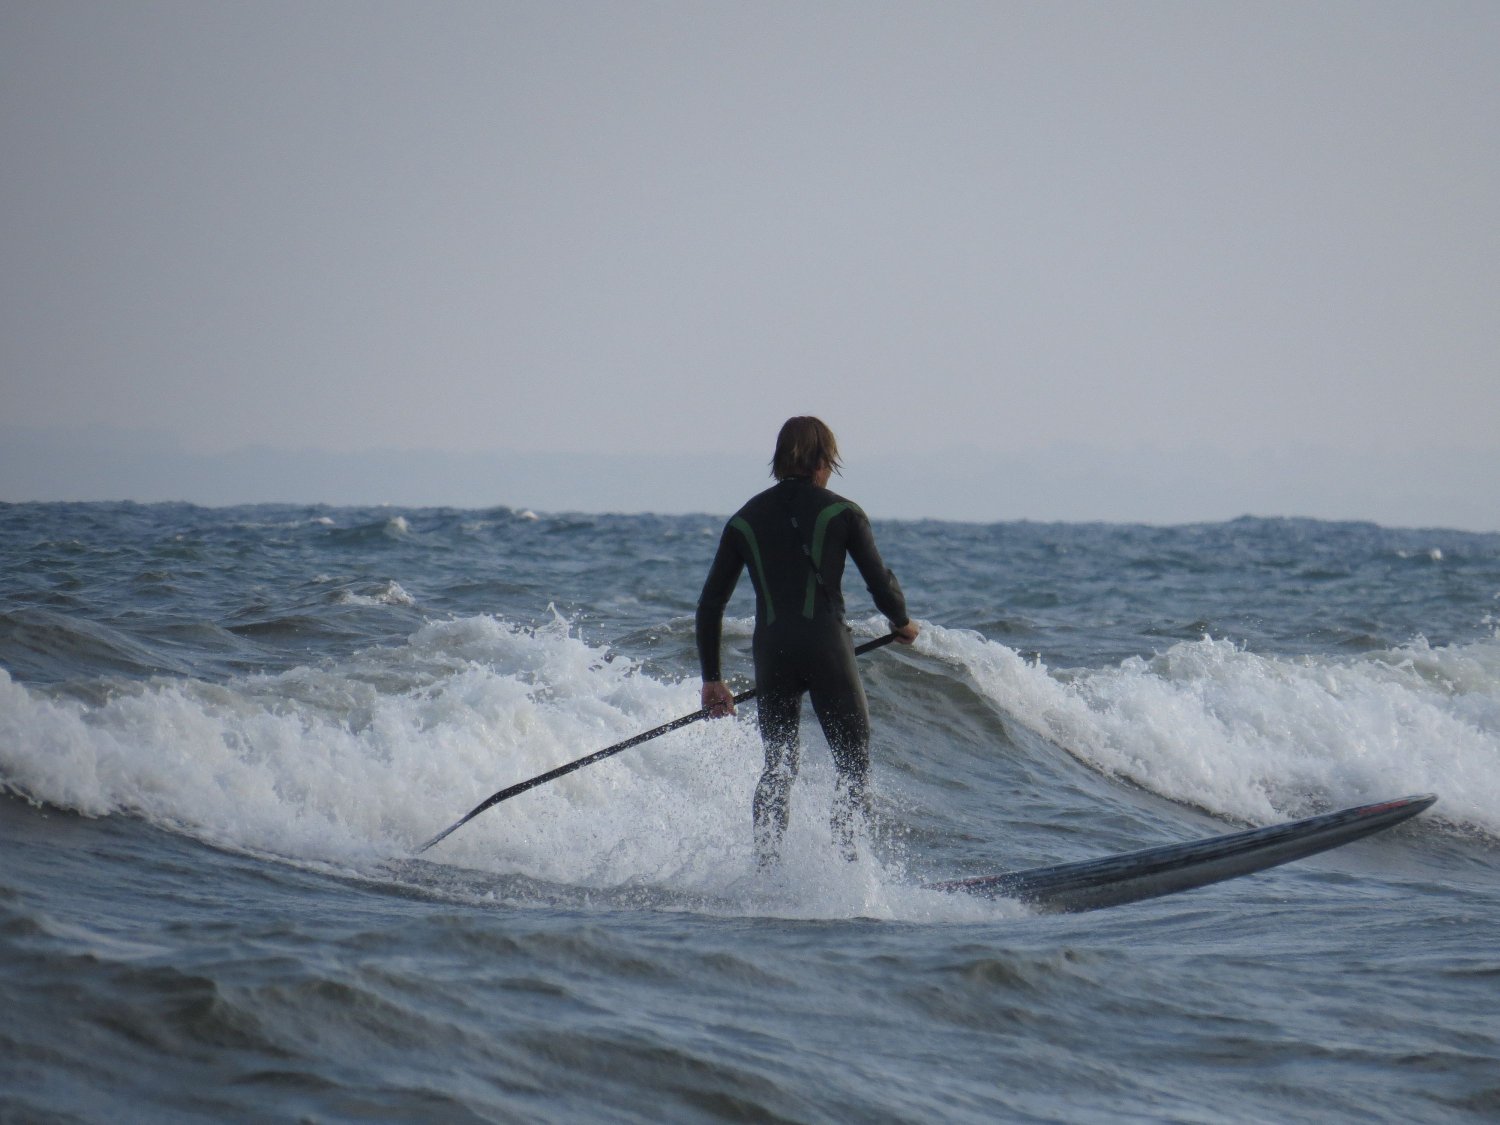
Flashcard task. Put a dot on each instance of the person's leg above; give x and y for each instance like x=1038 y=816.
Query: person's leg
x=778 y=713
x=838 y=700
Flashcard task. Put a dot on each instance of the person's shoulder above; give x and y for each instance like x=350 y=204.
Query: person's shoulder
x=752 y=507
x=831 y=499
x=759 y=500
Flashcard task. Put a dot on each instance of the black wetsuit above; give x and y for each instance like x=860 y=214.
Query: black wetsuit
x=801 y=643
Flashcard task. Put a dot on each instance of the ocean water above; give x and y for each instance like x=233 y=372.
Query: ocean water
x=223 y=732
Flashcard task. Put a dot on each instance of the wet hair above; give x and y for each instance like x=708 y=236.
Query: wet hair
x=804 y=445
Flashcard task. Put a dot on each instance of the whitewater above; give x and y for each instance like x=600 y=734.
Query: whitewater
x=223 y=732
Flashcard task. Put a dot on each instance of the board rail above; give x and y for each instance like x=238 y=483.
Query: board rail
x=1093 y=884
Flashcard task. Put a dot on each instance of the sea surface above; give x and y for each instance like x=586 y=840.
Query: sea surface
x=223 y=732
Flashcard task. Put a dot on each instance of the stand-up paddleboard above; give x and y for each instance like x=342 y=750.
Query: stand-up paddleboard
x=1116 y=879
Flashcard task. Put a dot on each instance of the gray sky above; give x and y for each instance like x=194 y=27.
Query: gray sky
x=1170 y=260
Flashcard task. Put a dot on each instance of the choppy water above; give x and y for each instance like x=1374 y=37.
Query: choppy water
x=222 y=732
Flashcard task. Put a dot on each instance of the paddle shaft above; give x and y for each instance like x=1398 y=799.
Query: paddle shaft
x=599 y=755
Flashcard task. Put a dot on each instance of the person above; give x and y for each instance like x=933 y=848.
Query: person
x=794 y=538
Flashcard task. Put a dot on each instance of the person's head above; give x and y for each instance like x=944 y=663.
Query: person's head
x=805 y=447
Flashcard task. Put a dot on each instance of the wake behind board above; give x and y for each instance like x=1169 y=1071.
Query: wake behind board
x=1132 y=876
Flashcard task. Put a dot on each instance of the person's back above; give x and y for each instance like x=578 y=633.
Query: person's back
x=793 y=538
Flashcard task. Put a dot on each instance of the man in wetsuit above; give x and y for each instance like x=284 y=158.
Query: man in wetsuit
x=794 y=537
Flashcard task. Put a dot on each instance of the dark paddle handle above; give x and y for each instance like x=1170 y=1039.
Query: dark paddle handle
x=599 y=755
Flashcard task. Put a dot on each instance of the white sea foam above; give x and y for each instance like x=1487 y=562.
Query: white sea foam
x=360 y=763
x=1263 y=737
x=390 y=593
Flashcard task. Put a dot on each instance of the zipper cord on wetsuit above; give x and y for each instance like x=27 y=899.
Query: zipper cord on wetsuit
x=786 y=504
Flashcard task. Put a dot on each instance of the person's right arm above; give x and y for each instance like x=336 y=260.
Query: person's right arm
x=723 y=576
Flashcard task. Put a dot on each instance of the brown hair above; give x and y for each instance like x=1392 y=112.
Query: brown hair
x=804 y=446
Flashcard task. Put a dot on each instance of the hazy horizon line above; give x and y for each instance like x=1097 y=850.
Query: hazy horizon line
x=1063 y=483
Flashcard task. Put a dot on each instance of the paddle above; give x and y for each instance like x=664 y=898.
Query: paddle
x=600 y=755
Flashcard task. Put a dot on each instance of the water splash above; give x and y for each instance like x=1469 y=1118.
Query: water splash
x=351 y=765
x=1261 y=737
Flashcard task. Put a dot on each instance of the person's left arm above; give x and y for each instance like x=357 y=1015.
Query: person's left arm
x=879 y=579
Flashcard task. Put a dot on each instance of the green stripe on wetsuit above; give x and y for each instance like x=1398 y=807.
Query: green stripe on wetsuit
x=820 y=531
x=740 y=525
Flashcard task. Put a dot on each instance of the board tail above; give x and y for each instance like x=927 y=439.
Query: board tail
x=1132 y=876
